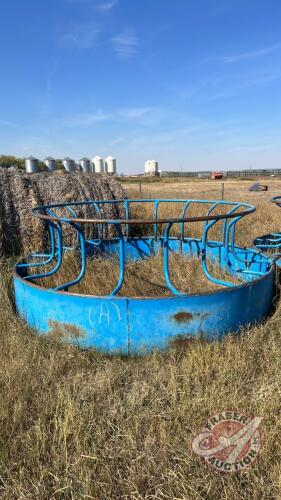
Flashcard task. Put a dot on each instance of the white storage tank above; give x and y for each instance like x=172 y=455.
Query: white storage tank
x=151 y=167
x=110 y=165
x=98 y=164
x=85 y=164
x=154 y=167
x=31 y=165
x=50 y=164
x=147 y=167
x=68 y=164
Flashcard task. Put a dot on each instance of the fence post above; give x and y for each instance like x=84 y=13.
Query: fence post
x=140 y=190
x=222 y=191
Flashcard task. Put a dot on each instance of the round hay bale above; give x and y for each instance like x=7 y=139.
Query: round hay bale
x=20 y=232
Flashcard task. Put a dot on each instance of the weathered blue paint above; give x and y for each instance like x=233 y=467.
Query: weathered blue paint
x=139 y=325
x=132 y=325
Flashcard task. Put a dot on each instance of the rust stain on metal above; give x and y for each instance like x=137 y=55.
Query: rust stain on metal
x=186 y=317
x=182 y=341
x=59 y=331
x=183 y=317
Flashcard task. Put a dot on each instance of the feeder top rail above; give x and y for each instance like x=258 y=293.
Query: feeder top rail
x=232 y=210
x=127 y=245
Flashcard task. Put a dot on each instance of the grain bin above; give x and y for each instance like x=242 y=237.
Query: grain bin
x=151 y=167
x=110 y=165
x=147 y=167
x=85 y=165
x=31 y=165
x=50 y=164
x=154 y=167
x=98 y=164
x=68 y=164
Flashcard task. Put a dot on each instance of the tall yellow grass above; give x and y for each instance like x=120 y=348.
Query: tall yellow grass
x=81 y=425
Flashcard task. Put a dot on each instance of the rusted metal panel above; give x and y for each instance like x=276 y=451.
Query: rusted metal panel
x=163 y=323
x=137 y=326
x=99 y=323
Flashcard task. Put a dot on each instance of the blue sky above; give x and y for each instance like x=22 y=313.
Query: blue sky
x=194 y=84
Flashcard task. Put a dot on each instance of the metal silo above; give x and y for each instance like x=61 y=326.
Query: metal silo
x=50 y=164
x=31 y=165
x=110 y=165
x=68 y=164
x=85 y=164
x=98 y=164
x=147 y=167
x=151 y=167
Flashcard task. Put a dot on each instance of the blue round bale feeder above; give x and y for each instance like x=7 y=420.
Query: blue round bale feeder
x=271 y=243
x=138 y=325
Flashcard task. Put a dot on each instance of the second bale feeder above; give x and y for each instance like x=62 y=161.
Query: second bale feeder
x=271 y=242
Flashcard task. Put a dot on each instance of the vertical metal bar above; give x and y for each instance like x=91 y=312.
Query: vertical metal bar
x=185 y=208
x=59 y=253
x=127 y=212
x=49 y=256
x=207 y=227
x=121 y=261
x=67 y=285
x=166 y=261
x=222 y=191
x=225 y=238
x=74 y=215
x=246 y=261
x=155 y=216
x=100 y=226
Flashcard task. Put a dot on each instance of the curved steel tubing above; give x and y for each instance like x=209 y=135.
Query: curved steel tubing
x=117 y=324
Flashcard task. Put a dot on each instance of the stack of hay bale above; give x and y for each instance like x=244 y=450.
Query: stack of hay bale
x=20 y=232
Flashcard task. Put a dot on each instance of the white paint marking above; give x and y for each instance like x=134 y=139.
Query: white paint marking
x=90 y=317
x=104 y=314
x=118 y=312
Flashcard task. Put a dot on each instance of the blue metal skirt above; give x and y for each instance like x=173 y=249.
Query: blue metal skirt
x=132 y=325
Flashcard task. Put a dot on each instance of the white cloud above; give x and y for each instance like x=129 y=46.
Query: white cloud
x=89 y=36
x=82 y=37
x=136 y=115
x=118 y=140
x=246 y=86
x=87 y=119
x=106 y=6
x=125 y=44
x=250 y=55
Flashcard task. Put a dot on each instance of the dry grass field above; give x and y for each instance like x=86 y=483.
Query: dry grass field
x=81 y=425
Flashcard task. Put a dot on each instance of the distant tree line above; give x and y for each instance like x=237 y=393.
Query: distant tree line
x=11 y=161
